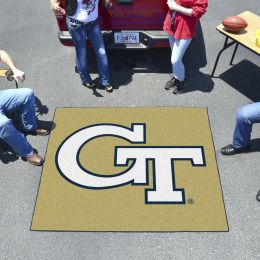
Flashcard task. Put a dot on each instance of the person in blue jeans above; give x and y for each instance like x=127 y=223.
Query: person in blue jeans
x=83 y=24
x=246 y=116
x=19 y=104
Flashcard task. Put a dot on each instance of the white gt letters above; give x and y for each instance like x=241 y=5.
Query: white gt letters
x=164 y=190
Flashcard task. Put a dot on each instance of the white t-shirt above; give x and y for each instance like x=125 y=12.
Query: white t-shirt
x=87 y=11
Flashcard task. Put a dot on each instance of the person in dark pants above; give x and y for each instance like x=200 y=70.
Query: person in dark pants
x=21 y=103
x=83 y=24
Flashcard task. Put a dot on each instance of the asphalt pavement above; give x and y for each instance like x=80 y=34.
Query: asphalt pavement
x=28 y=31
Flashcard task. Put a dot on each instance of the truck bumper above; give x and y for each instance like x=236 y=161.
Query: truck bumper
x=147 y=40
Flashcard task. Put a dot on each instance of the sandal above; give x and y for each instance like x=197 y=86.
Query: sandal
x=89 y=85
x=108 y=88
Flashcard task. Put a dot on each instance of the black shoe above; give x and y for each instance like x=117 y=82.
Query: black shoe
x=258 y=196
x=39 y=131
x=178 y=86
x=230 y=150
x=89 y=85
x=170 y=84
x=108 y=88
x=34 y=159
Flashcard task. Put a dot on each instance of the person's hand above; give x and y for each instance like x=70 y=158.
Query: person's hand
x=172 y=5
x=58 y=11
x=108 y=3
x=19 y=75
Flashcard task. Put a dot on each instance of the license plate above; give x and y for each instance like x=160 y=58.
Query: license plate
x=126 y=37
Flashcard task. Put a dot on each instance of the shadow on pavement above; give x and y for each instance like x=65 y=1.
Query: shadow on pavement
x=244 y=77
x=124 y=63
x=6 y=154
x=40 y=109
x=255 y=145
x=194 y=59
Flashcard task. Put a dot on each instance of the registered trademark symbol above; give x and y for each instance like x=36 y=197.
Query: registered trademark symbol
x=191 y=201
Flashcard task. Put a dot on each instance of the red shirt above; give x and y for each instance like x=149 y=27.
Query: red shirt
x=185 y=26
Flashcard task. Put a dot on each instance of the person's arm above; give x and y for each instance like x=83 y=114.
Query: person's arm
x=198 y=9
x=180 y=9
x=55 y=6
x=19 y=75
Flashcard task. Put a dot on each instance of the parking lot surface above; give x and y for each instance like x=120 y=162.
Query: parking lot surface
x=28 y=32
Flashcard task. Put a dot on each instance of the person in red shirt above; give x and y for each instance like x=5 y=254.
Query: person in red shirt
x=180 y=24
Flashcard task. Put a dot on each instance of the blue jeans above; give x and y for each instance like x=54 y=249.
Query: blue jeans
x=18 y=102
x=80 y=33
x=246 y=116
x=179 y=47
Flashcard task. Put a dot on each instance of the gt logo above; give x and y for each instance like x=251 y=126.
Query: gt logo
x=163 y=157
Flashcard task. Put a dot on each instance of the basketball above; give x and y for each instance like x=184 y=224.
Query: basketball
x=234 y=23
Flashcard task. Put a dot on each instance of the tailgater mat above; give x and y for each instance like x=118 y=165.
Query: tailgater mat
x=147 y=169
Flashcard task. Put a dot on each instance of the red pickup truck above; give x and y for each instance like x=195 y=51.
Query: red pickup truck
x=133 y=24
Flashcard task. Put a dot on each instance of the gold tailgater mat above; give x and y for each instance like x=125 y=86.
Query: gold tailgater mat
x=64 y=206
